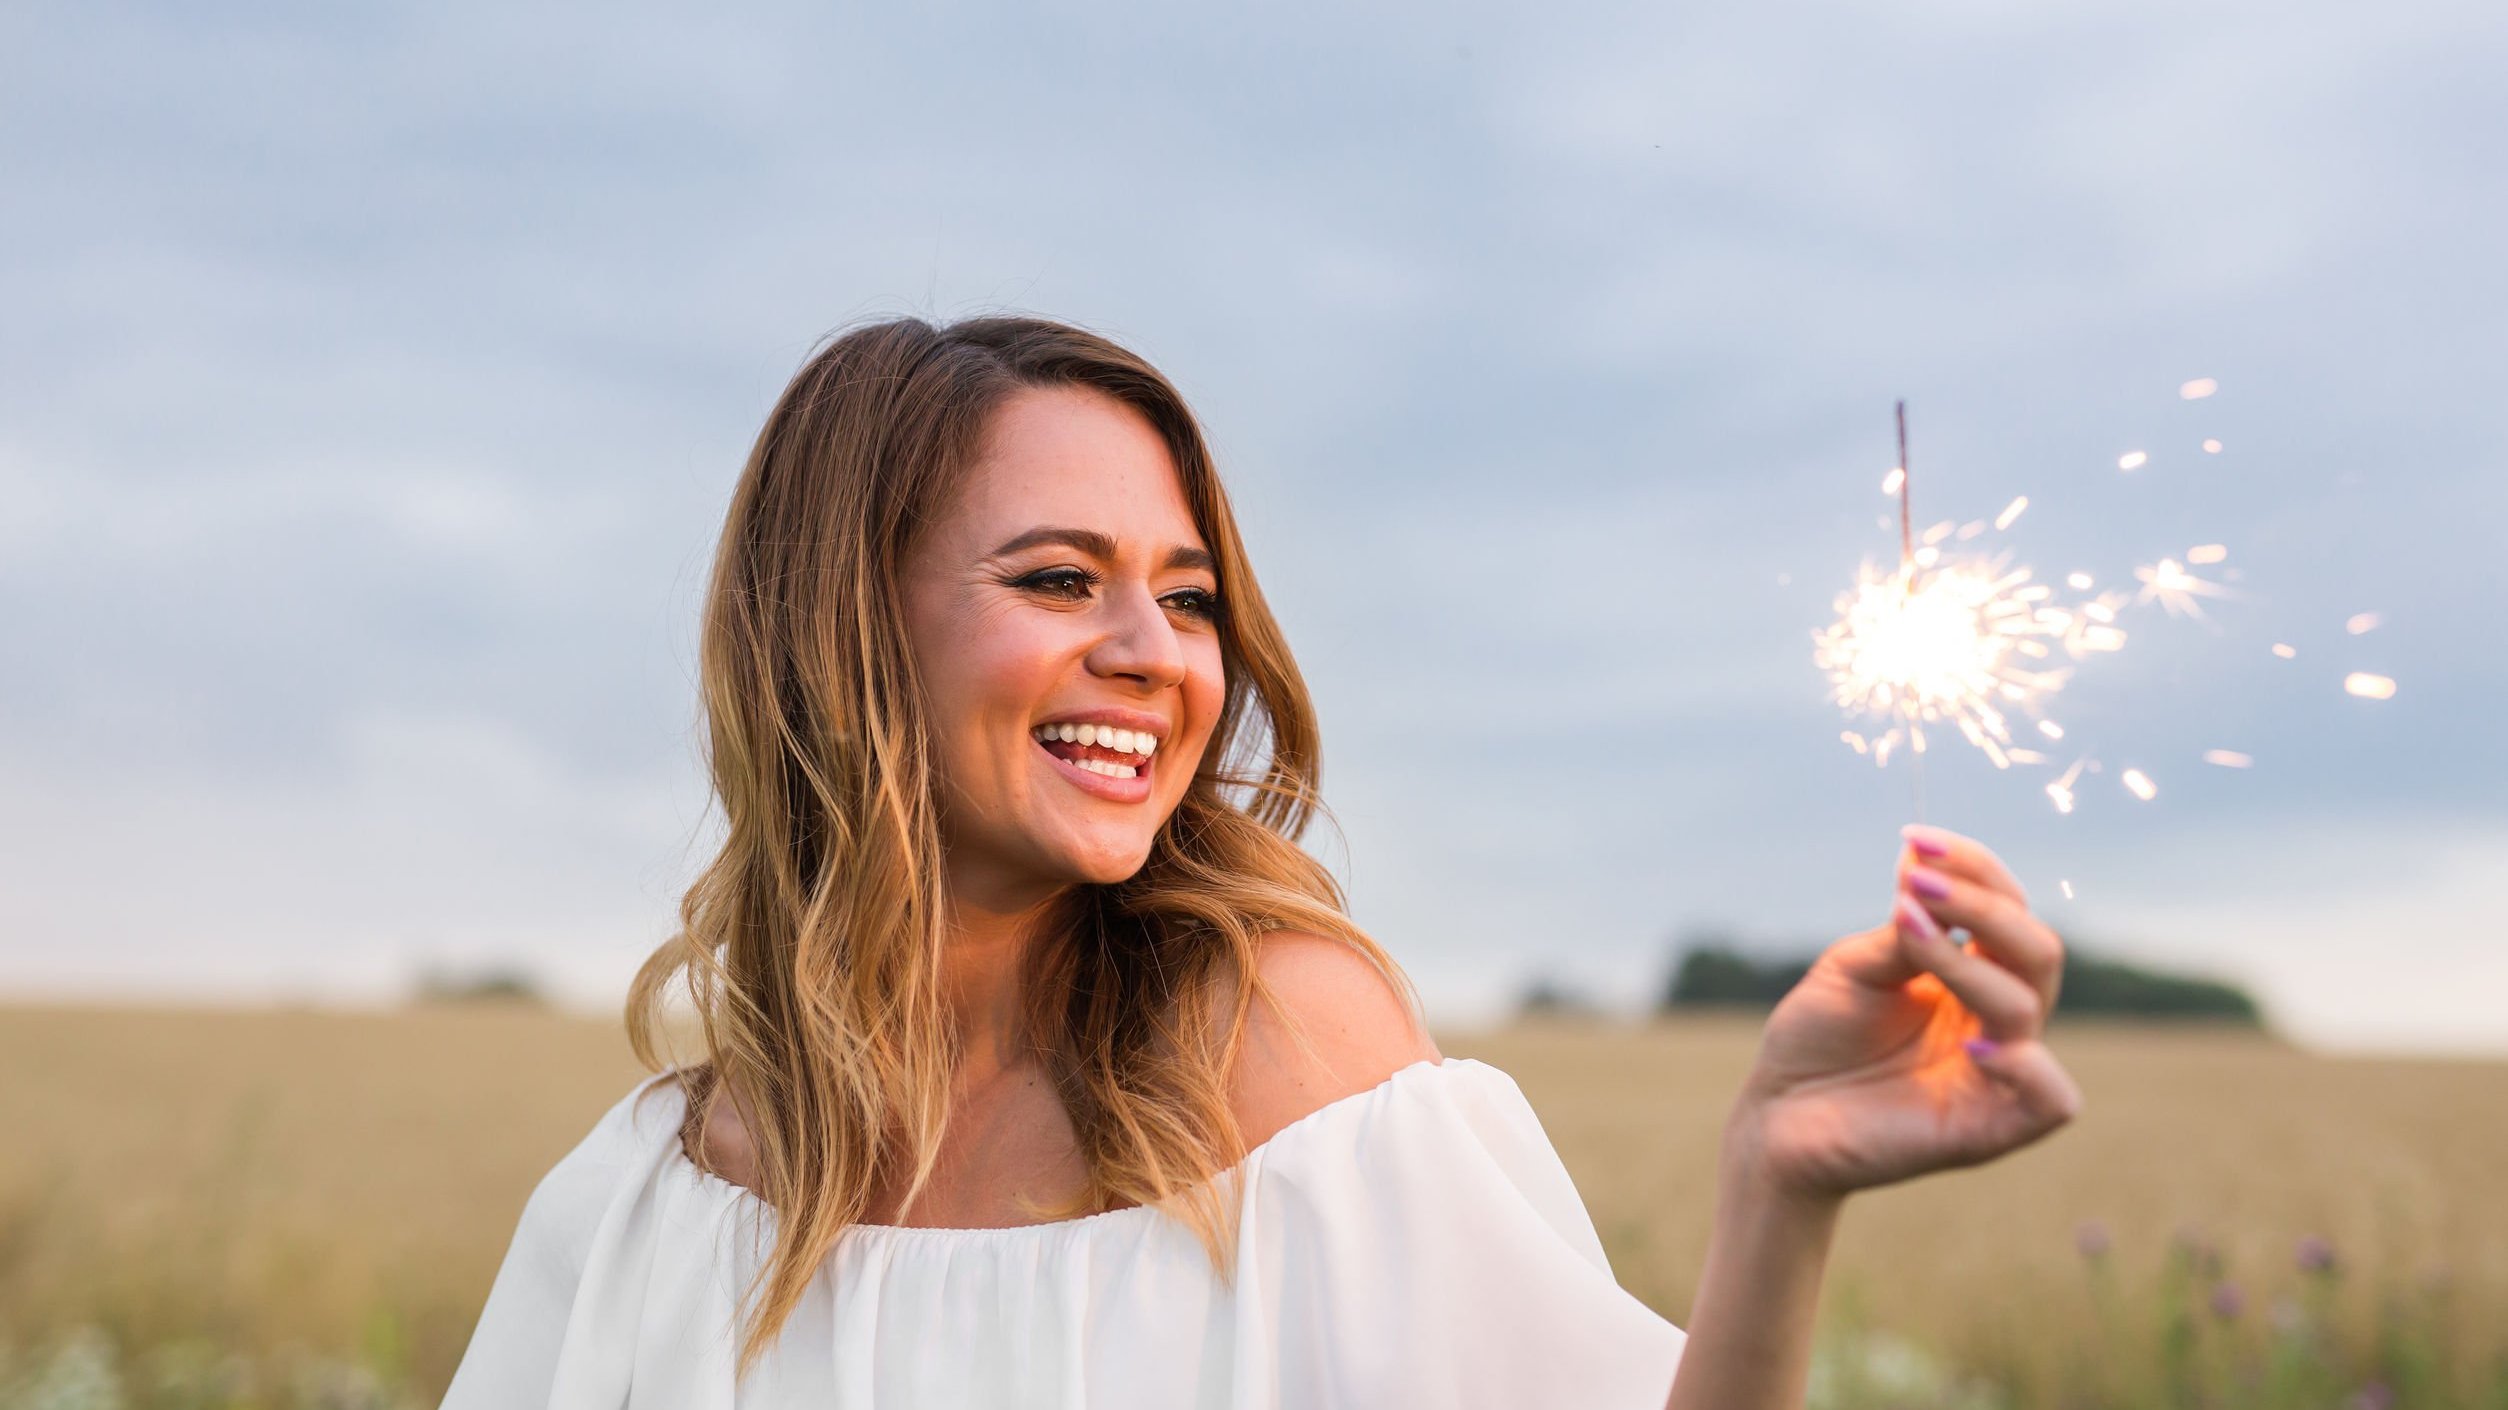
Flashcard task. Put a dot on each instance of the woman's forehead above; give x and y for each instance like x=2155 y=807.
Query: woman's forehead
x=1073 y=456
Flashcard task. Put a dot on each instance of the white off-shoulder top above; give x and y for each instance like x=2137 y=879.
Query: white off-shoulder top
x=1414 y=1245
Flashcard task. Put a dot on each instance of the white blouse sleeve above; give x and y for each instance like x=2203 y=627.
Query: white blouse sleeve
x=1422 y=1245
x=514 y=1352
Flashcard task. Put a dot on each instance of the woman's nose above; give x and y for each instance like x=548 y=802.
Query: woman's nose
x=1140 y=642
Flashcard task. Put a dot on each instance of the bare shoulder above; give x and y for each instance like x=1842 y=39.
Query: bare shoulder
x=723 y=1144
x=1358 y=1031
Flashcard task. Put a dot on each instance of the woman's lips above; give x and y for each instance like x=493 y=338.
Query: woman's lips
x=1106 y=786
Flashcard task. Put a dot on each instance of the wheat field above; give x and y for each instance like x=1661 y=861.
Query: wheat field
x=241 y=1189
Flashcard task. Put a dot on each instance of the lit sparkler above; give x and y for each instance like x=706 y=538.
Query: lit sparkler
x=1953 y=639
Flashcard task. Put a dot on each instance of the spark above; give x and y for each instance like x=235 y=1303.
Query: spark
x=2285 y=650
x=2168 y=583
x=2228 y=758
x=1942 y=643
x=2207 y=553
x=2060 y=792
x=2068 y=889
x=2198 y=389
x=2079 y=582
x=2139 y=784
x=2362 y=623
x=2211 y=447
x=1891 y=482
x=2133 y=460
x=2010 y=512
x=2369 y=687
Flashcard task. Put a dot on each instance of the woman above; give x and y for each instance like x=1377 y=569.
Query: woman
x=1043 y=1068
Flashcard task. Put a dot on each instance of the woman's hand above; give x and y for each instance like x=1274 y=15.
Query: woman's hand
x=1867 y=1073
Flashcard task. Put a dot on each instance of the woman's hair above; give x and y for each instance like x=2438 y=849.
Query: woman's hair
x=811 y=944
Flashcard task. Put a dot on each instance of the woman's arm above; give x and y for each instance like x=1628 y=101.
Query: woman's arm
x=1899 y=1053
x=1750 y=1326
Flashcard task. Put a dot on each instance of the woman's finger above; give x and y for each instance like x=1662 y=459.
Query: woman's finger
x=2006 y=1006
x=1963 y=857
x=2003 y=927
x=2047 y=1094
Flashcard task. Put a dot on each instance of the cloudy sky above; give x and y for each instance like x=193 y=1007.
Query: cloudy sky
x=375 y=378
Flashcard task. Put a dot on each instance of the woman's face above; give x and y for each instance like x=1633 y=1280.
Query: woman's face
x=1067 y=586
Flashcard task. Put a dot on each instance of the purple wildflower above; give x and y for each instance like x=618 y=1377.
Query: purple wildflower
x=2228 y=1302
x=2373 y=1396
x=2315 y=1255
x=2091 y=1238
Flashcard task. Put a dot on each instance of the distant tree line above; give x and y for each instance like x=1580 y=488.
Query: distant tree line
x=1716 y=975
x=1715 y=972
x=494 y=984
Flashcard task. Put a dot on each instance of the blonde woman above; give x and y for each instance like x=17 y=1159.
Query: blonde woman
x=1042 y=1067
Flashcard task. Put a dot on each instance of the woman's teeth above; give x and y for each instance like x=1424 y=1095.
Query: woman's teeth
x=1100 y=766
x=1122 y=741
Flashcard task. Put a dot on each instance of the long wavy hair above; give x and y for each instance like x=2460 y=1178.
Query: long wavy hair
x=811 y=945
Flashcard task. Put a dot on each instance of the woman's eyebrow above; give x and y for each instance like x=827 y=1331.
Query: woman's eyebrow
x=1102 y=547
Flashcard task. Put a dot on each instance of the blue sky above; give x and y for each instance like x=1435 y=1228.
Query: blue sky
x=376 y=378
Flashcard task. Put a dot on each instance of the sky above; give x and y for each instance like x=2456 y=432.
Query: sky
x=375 y=379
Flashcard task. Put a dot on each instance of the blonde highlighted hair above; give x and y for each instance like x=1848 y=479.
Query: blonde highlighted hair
x=810 y=946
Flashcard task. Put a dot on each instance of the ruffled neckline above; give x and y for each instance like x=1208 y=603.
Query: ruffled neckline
x=730 y=1196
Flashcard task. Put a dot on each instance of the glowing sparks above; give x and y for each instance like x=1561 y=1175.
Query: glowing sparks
x=2169 y=584
x=2369 y=687
x=1944 y=644
x=1954 y=637
x=2068 y=889
x=2285 y=650
x=2198 y=389
x=2211 y=447
x=2362 y=623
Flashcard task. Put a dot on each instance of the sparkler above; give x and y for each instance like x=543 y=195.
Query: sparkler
x=1967 y=640
x=1963 y=640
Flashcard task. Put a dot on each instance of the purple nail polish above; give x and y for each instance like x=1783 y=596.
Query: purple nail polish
x=1914 y=918
x=1982 y=1047
x=1925 y=843
x=1931 y=885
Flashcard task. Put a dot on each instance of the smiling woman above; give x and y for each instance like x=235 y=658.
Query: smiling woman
x=1041 y=1066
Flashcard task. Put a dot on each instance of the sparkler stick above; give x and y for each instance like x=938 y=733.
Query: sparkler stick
x=1907 y=574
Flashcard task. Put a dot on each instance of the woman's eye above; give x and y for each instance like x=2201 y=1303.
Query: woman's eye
x=1201 y=604
x=1061 y=582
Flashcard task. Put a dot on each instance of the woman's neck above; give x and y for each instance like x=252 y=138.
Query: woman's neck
x=984 y=956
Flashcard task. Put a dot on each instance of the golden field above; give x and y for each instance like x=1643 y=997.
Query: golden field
x=268 y=1184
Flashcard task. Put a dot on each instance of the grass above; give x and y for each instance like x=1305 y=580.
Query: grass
x=292 y=1209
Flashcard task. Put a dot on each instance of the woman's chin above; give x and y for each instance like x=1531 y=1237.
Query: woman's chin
x=1101 y=865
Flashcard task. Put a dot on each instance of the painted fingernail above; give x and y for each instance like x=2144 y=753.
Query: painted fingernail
x=1924 y=841
x=1914 y=918
x=1930 y=884
x=1982 y=1047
